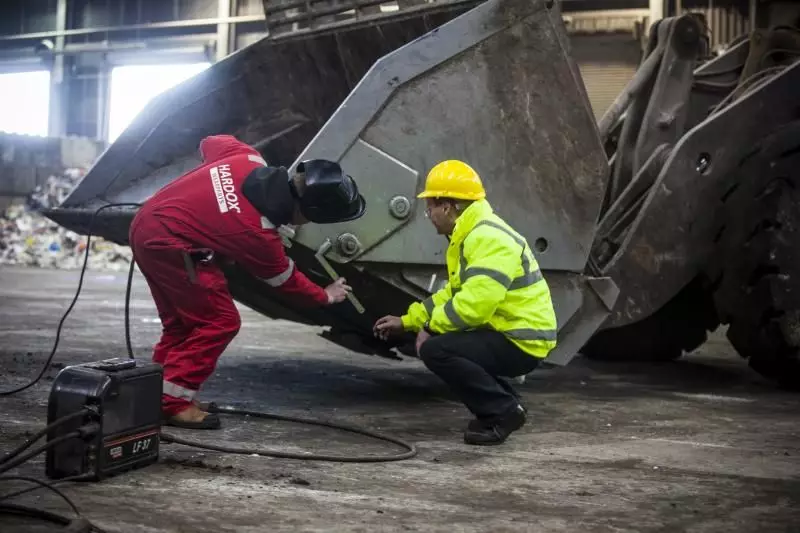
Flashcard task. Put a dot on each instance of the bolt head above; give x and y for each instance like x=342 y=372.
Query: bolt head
x=348 y=244
x=399 y=207
x=703 y=163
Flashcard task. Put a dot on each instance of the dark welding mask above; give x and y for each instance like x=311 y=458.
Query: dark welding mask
x=330 y=195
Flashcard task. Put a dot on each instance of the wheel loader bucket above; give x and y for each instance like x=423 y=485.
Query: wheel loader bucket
x=494 y=86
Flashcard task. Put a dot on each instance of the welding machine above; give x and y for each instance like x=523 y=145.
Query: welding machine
x=123 y=397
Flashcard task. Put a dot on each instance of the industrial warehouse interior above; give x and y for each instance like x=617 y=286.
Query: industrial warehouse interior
x=400 y=265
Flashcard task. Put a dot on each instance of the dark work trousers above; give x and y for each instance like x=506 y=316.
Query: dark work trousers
x=472 y=363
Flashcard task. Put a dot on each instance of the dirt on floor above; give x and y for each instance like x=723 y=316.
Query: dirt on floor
x=699 y=445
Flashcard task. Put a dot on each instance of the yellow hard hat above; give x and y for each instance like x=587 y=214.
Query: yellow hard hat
x=453 y=179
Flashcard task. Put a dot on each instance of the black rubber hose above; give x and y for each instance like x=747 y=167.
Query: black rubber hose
x=128 y=307
x=73 y=525
x=62 y=481
x=42 y=484
x=8 y=465
x=25 y=445
x=411 y=449
x=21 y=510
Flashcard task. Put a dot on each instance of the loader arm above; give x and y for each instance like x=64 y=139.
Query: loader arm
x=700 y=227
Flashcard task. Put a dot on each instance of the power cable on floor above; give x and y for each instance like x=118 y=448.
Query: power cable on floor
x=8 y=465
x=42 y=484
x=128 y=344
x=411 y=449
x=78 y=524
x=62 y=481
x=41 y=433
x=73 y=525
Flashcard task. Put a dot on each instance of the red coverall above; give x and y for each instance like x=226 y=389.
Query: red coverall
x=200 y=211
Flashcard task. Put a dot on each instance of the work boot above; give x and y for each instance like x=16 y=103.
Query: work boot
x=194 y=418
x=211 y=407
x=493 y=431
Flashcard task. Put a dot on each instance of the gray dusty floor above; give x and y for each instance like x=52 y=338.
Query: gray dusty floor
x=698 y=445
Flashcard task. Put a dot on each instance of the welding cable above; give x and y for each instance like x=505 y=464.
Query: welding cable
x=30 y=512
x=73 y=525
x=128 y=307
x=8 y=465
x=411 y=449
x=62 y=481
x=58 y=422
x=74 y=300
x=42 y=484
x=79 y=524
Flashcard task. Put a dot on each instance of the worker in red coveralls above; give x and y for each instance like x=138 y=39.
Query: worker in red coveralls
x=227 y=209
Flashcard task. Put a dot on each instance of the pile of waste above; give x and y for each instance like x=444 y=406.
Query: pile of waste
x=29 y=238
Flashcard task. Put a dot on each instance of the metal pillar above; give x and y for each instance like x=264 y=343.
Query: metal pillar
x=656 y=13
x=656 y=10
x=223 y=29
x=103 y=101
x=58 y=87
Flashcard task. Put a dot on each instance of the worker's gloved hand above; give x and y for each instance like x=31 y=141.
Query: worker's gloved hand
x=387 y=326
x=337 y=291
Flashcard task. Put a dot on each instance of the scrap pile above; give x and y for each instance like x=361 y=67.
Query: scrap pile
x=28 y=238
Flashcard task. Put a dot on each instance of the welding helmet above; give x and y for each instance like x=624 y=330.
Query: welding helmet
x=329 y=195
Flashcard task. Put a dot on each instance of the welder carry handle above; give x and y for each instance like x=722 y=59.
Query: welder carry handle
x=332 y=273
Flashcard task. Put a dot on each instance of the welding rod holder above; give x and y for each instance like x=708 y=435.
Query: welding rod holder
x=320 y=255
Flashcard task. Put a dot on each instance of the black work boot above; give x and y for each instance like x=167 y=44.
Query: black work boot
x=495 y=430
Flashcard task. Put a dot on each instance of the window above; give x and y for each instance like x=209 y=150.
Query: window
x=25 y=102
x=133 y=86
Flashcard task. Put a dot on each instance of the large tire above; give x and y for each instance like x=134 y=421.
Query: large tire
x=680 y=326
x=757 y=261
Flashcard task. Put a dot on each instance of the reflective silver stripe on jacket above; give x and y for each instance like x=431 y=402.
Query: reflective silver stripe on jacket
x=256 y=159
x=429 y=305
x=283 y=277
x=176 y=391
x=453 y=315
x=528 y=334
x=496 y=275
x=525 y=280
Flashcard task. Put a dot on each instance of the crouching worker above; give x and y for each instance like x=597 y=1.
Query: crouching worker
x=494 y=318
x=227 y=209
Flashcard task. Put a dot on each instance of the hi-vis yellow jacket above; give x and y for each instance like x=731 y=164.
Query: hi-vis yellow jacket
x=494 y=283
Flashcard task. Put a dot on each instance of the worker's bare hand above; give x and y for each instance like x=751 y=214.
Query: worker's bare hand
x=387 y=326
x=422 y=336
x=337 y=291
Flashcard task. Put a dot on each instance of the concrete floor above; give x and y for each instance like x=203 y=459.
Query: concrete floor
x=698 y=445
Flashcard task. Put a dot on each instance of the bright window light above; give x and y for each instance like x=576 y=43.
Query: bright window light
x=25 y=102
x=133 y=86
